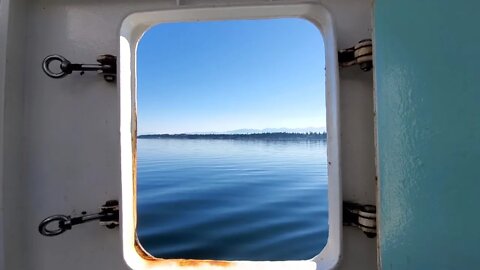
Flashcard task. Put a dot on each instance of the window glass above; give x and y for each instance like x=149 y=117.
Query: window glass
x=231 y=147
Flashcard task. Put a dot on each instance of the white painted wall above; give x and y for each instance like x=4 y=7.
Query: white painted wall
x=12 y=67
x=60 y=138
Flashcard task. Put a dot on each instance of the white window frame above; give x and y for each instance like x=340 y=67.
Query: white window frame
x=132 y=29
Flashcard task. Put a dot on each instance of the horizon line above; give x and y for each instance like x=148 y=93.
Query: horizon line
x=246 y=131
x=223 y=134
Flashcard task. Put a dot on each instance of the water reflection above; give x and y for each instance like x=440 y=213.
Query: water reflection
x=232 y=199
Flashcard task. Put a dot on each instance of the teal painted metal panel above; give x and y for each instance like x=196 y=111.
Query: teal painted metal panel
x=428 y=111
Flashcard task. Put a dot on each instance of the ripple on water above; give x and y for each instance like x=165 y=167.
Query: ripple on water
x=232 y=200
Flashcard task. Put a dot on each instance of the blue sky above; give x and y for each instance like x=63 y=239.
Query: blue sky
x=228 y=75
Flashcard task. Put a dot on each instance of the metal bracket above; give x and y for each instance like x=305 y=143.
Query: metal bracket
x=108 y=217
x=363 y=217
x=360 y=54
x=107 y=66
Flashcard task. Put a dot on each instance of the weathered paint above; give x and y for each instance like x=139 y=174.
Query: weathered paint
x=132 y=29
x=428 y=94
x=181 y=263
x=60 y=139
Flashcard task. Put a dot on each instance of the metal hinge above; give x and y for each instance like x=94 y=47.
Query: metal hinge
x=108 y=217
x=363 y=217
x=360 y=54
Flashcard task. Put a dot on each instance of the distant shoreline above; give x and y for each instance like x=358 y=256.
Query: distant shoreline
x=253 y=136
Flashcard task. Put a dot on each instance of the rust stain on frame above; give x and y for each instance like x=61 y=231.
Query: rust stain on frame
x=138 y=247
x=179 y=262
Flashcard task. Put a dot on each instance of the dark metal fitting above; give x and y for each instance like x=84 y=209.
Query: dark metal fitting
x=360 y=216
x=361 y=54
x=107 y=66
x=108 y=217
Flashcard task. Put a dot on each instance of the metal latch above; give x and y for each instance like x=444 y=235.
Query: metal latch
x=107 y=66
x=363 y=217
x=108 y=217
x=360 y=54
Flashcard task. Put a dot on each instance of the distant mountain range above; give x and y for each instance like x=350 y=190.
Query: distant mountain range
x=273 y=130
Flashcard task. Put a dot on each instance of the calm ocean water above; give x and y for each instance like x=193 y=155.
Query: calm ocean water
x=232 y=199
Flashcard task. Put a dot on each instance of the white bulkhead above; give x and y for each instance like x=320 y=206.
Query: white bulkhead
x=61 y=140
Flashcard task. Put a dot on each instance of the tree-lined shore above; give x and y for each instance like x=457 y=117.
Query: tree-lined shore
x=252 y=136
